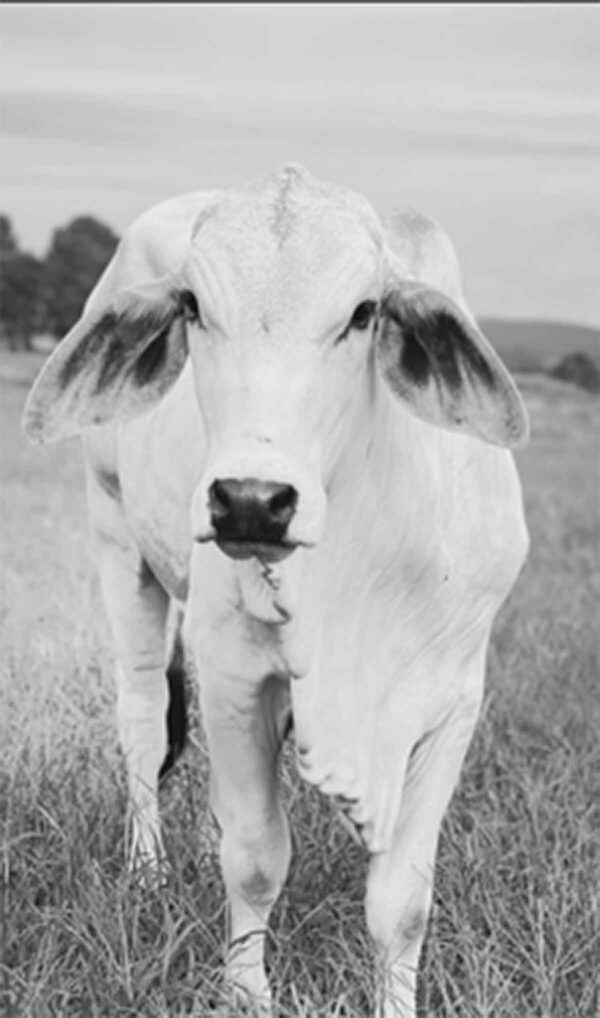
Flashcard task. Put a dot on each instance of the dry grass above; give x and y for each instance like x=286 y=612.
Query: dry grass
x=514 y=931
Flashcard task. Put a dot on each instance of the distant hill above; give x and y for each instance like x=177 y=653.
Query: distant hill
x=529 y=345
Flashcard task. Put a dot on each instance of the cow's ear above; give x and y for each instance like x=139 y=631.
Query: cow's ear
x=116 y=362
x=437 y=361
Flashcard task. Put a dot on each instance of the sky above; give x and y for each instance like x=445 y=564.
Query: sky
x=486 y=117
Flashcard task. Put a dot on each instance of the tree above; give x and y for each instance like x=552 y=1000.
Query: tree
x=19 y=298
x=579 y=369
x=8 y=241
x=77 y=256
x=20 y=275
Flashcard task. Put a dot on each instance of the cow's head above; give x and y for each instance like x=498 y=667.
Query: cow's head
x=294 y=312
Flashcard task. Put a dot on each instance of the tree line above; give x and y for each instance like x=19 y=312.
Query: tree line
x=46 y=295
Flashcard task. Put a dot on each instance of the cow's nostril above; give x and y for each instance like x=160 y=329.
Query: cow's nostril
x=251 y=510
x=219 y=500
x=283 y=503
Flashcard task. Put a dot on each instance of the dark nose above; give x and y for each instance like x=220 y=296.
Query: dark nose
x=251 y=510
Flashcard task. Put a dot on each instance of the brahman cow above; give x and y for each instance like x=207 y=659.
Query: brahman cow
x=294 y=427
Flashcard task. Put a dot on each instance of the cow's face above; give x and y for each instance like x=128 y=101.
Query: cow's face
x=281 y=314
x=291 y=306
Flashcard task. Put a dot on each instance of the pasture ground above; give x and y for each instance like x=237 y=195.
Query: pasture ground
x=514 y=931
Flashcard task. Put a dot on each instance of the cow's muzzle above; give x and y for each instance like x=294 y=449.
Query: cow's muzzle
x=251 y=517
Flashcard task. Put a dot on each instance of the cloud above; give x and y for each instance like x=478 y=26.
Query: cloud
x=152 y=120
x=487 y=118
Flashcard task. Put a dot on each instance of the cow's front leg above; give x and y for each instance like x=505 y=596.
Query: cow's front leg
x=245 y=724
x=399 y=884
x=137 y=610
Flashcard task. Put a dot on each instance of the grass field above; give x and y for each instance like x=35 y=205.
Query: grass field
x=514 y=931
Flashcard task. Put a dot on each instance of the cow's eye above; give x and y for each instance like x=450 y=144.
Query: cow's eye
x=190 y=309
x=361 y=319
x=363 y=314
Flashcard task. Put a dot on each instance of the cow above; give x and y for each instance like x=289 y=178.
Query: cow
x=295 y=431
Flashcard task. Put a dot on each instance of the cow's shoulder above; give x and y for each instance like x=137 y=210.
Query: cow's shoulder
x=482 y=524
x=448 y=504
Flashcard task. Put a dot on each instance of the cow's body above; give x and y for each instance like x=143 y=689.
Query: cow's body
x=362 y=632
x=372 y=637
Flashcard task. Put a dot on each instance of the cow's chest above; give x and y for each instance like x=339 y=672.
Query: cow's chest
x=370 y=666
x=377 y=685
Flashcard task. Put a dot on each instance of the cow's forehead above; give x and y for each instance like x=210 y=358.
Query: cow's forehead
x=289 y=225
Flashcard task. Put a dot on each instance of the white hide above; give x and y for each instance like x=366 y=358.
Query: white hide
x=374 y=631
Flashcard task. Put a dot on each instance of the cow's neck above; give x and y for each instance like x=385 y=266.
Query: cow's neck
x=383 y=500
x=386 y=483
